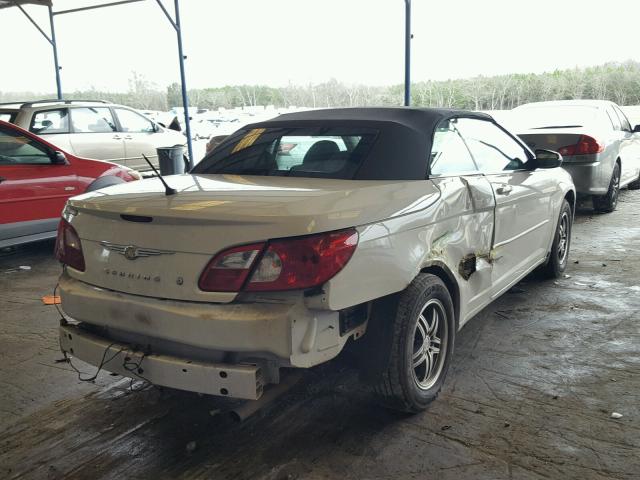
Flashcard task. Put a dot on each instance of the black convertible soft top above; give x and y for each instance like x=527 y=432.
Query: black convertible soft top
x=402 y=148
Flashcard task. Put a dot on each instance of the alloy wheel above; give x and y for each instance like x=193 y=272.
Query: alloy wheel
x=563 y=238
x=616 y=187
x=430 y=343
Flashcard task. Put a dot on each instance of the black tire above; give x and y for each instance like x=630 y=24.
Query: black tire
x=608 y=203
x=559 y=254
x=398 y=386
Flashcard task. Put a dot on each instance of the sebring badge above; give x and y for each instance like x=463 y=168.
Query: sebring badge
x=131 y=252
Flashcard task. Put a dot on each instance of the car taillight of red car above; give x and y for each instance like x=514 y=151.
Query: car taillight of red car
x=283 y=264
x=68 y=246
x=585 y=145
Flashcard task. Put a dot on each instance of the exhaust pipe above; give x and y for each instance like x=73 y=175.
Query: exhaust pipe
x=248 y=408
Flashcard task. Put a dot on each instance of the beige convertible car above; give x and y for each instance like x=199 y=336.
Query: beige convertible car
x=382 y=229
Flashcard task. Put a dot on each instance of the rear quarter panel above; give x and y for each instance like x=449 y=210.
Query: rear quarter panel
x=391 y=253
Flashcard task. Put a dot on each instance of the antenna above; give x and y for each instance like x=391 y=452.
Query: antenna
x=167 y=189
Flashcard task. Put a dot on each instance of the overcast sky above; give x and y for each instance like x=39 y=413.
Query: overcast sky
x=301 y=41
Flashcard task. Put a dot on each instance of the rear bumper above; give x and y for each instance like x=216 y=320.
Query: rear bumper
x=238 y=381
x=284 y=334
x=589 y=178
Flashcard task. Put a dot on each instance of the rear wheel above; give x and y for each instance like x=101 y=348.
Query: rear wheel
x=422 y=339
x=559 y=255
x=607 y=203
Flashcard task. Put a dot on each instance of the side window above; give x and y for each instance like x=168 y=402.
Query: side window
x=50 y=121
x=324 y=153
x=492 y=148
x=15 y=148
x=623 y=119
x=449 y=154
x=133 y=122
x=614 y=119
x=92 y=120
x=8 y=116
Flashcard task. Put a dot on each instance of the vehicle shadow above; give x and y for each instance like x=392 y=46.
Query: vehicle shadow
x=30 y=251
x=167 y=433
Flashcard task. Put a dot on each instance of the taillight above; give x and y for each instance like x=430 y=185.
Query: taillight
x=586 y=145
x=228 y=270
x=286 y=264
x=303 y=262
x=68 y=246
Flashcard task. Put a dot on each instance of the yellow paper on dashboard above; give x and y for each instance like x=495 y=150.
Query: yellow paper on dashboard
x=249 y=139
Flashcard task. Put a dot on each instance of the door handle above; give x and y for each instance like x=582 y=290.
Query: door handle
x=128 y=137
x=2 y=179
x=117 y=137
x=504 y=189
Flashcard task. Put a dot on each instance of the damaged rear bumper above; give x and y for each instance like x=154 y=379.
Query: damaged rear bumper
x=284 y=334
x=238 y=381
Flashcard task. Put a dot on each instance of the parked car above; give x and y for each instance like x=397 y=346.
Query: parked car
x=94 y=129
x=601 y=150
x=377 y=236
x=214 y=142
x=37 y=178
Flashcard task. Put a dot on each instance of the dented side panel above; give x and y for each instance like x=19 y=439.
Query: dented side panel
x=391 y=253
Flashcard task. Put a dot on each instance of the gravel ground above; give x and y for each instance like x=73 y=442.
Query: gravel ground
x=535 y=378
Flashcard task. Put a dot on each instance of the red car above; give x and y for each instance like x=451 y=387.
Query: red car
x=37 y=178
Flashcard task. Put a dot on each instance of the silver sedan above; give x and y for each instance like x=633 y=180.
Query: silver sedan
x=601 y=149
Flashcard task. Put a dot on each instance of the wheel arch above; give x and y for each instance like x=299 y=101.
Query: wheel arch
x=443 y=272
x=570 y=197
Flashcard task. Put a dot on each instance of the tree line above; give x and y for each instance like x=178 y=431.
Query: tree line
x=618 y=82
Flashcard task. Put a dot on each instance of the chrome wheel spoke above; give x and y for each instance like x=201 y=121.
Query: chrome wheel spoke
x=435 y=344
x=435 y=319
x=419 y=359
x=428 y=366
x=420 y=352
x=423 y=326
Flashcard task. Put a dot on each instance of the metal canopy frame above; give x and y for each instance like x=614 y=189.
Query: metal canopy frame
x=175 y=23
x=407 y=52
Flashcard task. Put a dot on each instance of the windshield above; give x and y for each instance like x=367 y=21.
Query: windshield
x=556 y=116
x=335 y=152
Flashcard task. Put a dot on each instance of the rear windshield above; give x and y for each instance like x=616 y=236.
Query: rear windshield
x=334 y=152
x=8 y=115
x=556 y=116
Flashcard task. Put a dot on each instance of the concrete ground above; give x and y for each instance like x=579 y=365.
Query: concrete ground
x=534 y=381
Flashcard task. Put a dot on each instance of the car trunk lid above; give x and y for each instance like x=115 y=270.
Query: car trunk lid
x=557 y=138
x=138 y=240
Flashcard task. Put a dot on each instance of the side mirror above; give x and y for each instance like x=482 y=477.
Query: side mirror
x=636 y=129
x=547 y=159
x=58 y=158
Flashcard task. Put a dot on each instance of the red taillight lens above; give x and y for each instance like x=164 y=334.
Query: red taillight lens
x=305 y=262
x=228 y=270
x=68 y=246
x=287 y=264
x=586 y=145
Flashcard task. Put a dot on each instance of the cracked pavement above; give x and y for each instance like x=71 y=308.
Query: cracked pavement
x=535 y=378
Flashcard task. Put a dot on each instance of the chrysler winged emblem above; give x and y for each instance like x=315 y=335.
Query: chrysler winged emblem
x=131 y=252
